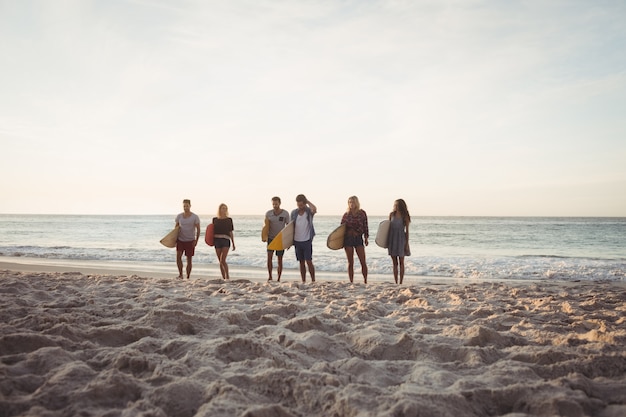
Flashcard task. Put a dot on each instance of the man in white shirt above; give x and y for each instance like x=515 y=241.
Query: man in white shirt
x=303 y=235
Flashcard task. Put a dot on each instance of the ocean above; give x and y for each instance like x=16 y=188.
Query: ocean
x=533 y=248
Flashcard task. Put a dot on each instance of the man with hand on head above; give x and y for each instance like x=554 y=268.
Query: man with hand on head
x=303 y=235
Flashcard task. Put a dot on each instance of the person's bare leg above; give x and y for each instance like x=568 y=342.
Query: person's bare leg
x=179 y=263
x=311 y=270
x=360 y=251
x=223 y=261
x=189 y=266
x=350 y=255
x=303 y=271
x=394 y=259
x=221 y=257
x=280 y=267
x=270 y=255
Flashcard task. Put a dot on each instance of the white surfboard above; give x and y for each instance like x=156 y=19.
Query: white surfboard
x=383 y=233
x=284 y=238
x=336 y=237
x=169 y=240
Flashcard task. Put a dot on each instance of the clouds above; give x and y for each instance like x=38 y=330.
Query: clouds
x=426 y=100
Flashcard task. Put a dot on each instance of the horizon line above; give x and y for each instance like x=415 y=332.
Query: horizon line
x=322 y=215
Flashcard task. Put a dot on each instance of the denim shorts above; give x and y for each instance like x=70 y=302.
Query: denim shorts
x=304 y=250
x=353 y=241
x=221 y=242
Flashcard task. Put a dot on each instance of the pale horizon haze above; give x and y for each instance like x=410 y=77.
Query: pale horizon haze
x=461 y=108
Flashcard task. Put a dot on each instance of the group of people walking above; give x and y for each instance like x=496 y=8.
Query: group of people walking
x=355 y=240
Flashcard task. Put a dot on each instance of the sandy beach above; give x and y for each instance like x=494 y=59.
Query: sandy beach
x=92 y=343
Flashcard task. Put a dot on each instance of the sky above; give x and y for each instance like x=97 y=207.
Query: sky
x=459 y=107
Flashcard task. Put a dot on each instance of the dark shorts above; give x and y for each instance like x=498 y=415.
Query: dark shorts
x=221 y=242
x=353 y=241
x=304 y=250
x=188 y=248
x=279 y=253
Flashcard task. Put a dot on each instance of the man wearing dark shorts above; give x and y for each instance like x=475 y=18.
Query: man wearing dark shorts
x=187 y=237
x=277 y=218
x=303 y=235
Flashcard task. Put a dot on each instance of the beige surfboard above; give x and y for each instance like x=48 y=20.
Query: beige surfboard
x=169 y=240
x=335 y=238
x=383 y=233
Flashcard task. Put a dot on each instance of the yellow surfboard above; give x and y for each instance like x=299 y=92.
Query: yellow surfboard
x=284 y=239
x=170 y=239
x=335 y=238
x=266 y=230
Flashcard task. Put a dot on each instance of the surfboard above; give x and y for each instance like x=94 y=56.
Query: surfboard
x=335 y=238
x=265 y=232
x=383 y=233
x=169 y=240
x=284 y=238
x=208 y=235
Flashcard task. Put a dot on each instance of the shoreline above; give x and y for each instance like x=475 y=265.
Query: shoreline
x=211 y=272
x=199 y=272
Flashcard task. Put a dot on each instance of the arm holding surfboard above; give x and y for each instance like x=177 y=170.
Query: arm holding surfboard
x=169 y=241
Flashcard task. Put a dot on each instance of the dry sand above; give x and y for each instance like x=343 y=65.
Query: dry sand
x=74 y=344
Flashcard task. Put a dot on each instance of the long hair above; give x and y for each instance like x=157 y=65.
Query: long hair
x=357 y=205
x=219 y=209
x=404 y=211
